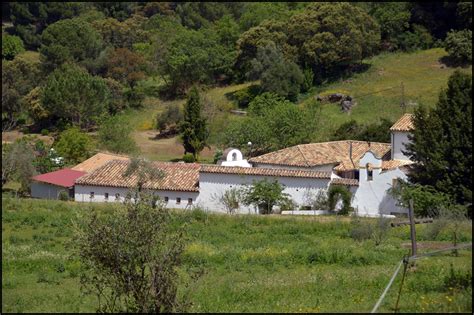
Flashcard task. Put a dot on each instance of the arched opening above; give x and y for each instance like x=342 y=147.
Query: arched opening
x=370 y=172
x=234 y=156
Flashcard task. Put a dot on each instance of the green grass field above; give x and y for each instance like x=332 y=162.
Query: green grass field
x=251 y=263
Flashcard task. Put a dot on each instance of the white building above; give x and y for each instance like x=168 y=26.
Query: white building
x=367 y=169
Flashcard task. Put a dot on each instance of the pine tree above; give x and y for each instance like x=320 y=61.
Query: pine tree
x=442 y=141
x=194 y=132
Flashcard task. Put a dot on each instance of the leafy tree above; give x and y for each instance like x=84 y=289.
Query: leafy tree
x=264 y=195
x=336 y=193
x=11 y=46
x=74 y=146
x=276 y=74
x=464 y=13
x=256 y=12
x=393 y=18
x=194 y=132
x=47 y=159
x=19 y=77
x=260 y=36
x=73 y=95
x=459 y=46
x=263 y=103
x=125 y=66
x=71 y=40
x=229 y=199
x=130 y=257
x=122 y=34
x=117 y=10
x=30 y=18
x=428 y=202
x=117 y=96
x=328 y=36
x=114 y=135
x=375 y=132
x=17 y=164
x=441 y=142
x=249 y=129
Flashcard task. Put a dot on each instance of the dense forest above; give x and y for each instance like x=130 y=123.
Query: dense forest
x=96 y=59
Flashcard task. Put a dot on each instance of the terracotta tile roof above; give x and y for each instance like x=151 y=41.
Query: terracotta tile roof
x=405 y=123
x=263 y=171
x=97 y=161
x=314 y=154
x=177 y=176
x=391 y=164
x=63 y=178
x=345 y=181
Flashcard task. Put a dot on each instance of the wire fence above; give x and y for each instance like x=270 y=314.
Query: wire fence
x=407 y=260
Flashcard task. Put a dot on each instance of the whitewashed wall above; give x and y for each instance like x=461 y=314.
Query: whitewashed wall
x=371 y=197
x=45 y=191
x=82 y=194
x=399 y=139
x=321 y=168
x=212 y=185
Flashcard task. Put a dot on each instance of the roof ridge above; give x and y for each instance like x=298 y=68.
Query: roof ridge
x=304 y=157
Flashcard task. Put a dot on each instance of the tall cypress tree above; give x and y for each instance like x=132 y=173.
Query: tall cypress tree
x=442 y=141
x=194 y=132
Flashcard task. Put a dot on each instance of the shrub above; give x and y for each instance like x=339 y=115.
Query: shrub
x=459 y=46
x=114 y=135
x=11 y=46
x=189 y=158
x=458 y=279
x=63 y=195
x=340 y=192
x=44 y=132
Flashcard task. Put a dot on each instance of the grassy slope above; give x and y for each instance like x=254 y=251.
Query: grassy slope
x=251 y=263
x=421 y=73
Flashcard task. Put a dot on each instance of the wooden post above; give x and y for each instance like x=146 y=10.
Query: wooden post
x=412 y=228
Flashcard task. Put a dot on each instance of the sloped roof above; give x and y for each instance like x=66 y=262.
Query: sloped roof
x=391 y=164
x=177 y=176
x=63 y=178
x=405 y=123
x=345 y=181
x=263 y=171
x=97 y=161
x=334 y=152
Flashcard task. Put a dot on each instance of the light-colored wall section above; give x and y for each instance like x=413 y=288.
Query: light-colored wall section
x=399 y=140
x=46 y=191
x=372 y=198
x=321 y=168
x=82 y=194
x=212 y=185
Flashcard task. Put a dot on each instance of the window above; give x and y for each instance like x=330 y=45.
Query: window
x=370 y=172
x=166 y=199
x=190 y=201
x=178 y=200
x=234 y=156
x=117 y=196
x=106 y=196
x=91 y=196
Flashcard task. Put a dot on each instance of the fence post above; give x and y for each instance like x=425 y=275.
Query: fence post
x=412 y=228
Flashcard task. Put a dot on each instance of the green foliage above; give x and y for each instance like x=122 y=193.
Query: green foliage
x=30 y=18
x=264 y=195
x=19 y=77
x=189 y=158
x=17 y=164
x=194 y=132
x=132 y=267
x=272 y=124
x=374 y=132
x=330 y=36
x=46 y=158
x=64 y=196
x=459 y=46
x=11 y=46
x=169 y=119
x=257 y=12
x=363 y=229
x=217 y=156
x=458 y=279
x=230 y=199
x=336 y=193
x=276 y=74
x=114 y=135
x=419 y=38
x=69 y=40
x=427 y=200
x=74 y=146
x=308 y=79
x=441 y=142
x=125 y=66
x=73 y=95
